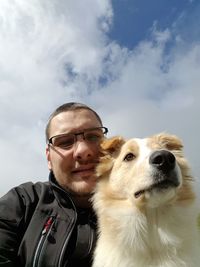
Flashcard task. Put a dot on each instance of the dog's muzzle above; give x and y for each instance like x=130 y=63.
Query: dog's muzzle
x=164 y=173
x=164 y=166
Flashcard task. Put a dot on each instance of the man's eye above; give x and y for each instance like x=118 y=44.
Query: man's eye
x=129 y=157
x=64 y=142
x=92 y=137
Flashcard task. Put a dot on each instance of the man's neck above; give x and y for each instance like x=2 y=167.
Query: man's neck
x=82 y=201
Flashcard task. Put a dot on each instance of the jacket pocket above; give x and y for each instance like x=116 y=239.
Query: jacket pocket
x=45 y=234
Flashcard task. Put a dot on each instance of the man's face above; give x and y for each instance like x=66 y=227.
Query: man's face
x=74 y=167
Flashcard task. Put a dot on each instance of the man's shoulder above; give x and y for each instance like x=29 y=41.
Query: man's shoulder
x=33 y=185
x=20 y=198
x=33 y=190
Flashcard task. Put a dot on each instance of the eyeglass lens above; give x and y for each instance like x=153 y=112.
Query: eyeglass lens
x=68 y=140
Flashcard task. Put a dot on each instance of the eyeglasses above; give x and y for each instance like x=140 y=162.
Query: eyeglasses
x=66 y=141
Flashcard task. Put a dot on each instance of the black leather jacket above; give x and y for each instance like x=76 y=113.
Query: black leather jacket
x=40 y=226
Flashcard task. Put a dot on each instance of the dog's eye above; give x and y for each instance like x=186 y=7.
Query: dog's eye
x=129 y=157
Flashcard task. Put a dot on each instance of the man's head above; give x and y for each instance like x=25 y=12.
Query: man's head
x=70 y=106
x=73 y=134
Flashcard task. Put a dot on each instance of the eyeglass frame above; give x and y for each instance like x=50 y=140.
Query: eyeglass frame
x=104 y=131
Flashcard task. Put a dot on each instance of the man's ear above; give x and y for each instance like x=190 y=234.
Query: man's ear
x=48 y=156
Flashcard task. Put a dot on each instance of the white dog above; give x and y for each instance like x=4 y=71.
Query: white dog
x=145 y=205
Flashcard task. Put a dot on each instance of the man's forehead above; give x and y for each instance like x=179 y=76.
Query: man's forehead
x=71 y=120
x=62 y=116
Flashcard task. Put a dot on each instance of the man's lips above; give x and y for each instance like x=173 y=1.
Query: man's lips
x=84 y=169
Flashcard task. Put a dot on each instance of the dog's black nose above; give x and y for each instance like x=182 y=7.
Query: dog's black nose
x=162 y=160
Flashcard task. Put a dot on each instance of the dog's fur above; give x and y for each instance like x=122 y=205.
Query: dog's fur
x=145 y=205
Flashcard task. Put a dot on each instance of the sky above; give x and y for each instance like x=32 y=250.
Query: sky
x=136 y=62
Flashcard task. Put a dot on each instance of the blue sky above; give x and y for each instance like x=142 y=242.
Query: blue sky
x=136 y=62
x=133 y=20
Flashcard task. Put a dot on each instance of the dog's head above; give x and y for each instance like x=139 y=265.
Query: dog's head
x=150 y=171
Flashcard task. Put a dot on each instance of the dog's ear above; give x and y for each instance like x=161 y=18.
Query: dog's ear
x=172 y=142
x=109 y=149
x=112 y=145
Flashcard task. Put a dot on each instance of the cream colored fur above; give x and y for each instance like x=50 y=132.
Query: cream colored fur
x=139 y=225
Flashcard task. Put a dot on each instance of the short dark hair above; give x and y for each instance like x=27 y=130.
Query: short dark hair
x=68 y=107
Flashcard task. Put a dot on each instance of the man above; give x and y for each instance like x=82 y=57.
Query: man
x=52 y=223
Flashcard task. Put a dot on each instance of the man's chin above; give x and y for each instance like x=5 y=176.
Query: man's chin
x=83 y=188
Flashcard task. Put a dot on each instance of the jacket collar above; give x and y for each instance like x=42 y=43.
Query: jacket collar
x=62 y=196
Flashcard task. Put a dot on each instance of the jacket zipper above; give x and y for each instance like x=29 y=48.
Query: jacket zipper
x=91 y=240
x=45 y=233
x=65 y=244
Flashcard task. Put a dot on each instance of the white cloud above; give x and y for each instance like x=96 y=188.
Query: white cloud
x=42 y=43
x=155 y=92
x=57 y=51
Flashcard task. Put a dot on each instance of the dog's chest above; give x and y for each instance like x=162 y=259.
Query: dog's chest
x=151 y=239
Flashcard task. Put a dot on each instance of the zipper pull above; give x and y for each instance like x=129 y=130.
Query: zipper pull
x=47 y=225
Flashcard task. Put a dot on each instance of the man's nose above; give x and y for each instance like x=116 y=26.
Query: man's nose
x=82 y=150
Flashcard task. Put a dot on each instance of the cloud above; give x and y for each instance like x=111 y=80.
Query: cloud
x=58 y=51
x=155 y=91
x=47 y=50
